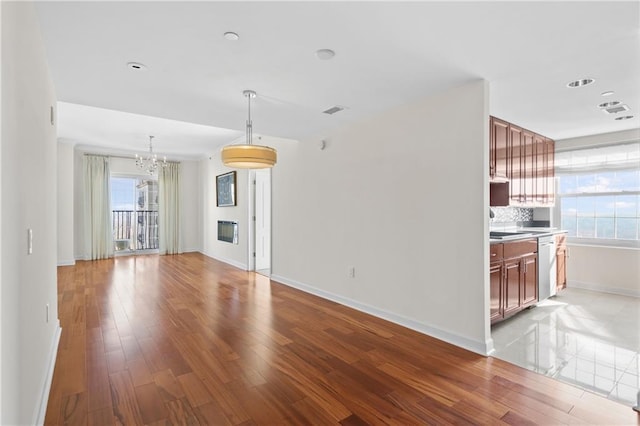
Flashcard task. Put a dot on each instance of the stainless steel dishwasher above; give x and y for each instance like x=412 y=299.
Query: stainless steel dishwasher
x=546 y=267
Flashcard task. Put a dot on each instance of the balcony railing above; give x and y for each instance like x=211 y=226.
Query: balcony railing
x=135 y=229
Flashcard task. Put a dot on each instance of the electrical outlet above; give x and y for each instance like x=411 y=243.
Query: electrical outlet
x=47 y=309
x=352 y=271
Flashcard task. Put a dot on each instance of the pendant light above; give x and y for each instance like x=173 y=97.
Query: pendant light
x=249 y=156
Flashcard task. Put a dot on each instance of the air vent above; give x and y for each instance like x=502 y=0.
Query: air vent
x=609 y=104
x=616 y=109
x=580 y=83
x=333 y=110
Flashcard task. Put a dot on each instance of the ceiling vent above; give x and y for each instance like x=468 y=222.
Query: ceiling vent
x=333 y=110
x=616 y=109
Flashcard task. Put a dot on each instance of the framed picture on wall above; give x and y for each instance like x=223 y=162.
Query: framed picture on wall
x=226 y=189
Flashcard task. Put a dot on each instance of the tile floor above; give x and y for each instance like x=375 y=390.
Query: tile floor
x=585 y=338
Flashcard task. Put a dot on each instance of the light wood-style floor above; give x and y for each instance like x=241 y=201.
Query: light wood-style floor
x=187 y=340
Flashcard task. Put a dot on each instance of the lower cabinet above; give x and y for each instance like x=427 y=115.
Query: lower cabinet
x=513 y=278
x=497 y=307
x=561 y=261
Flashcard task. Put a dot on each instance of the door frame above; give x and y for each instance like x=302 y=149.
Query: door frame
x=251 y=220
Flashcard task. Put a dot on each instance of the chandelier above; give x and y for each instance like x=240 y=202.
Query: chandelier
x=151 y=163
x=249 y=156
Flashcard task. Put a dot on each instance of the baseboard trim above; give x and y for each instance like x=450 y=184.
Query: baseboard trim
x=46 y=386
x=482 y=348
x=603 y=288
x=67 y=262
x=231 y=262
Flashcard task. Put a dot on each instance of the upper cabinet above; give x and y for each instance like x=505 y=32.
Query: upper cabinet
x=525 y=160
x=499 y=146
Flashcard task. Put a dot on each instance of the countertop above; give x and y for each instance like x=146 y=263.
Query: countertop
x=534 y=232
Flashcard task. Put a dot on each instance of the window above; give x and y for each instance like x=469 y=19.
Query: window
x=599 y=194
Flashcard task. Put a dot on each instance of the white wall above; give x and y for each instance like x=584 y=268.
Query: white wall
x=402 y=198
x=28 y=181
x=65 y=204
x=607 y=269
x=234 y=254
x=190 y=184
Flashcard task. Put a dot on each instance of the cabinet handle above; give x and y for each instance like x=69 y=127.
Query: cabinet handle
x=494 y=254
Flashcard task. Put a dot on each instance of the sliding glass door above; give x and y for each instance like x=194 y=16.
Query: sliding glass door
x=134 y=204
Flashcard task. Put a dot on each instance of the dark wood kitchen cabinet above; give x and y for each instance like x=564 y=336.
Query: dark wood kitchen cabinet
x=499 y=148
x=496 y=272
x=514 y=170
x=526 y=159
x=561 y=261
x=513 y=278
x=549 y=162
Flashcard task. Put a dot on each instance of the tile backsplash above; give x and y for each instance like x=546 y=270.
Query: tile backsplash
x=511 y=214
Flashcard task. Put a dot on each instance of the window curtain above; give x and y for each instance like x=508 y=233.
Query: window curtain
x=169 y=209
x=98 y=234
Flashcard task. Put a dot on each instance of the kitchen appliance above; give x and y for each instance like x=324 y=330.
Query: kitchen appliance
x=546 y=267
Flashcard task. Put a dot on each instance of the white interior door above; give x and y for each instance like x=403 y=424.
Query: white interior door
x=263 y=220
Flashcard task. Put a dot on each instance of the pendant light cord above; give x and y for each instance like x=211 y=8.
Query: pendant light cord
x=249 y=125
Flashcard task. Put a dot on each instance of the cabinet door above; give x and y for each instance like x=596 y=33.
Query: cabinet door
x=550 y=151
x=561 y=261
x=495 y=276
x=561 y=270
x=528 y=163
x=514 y=168
x=512 y=276
x=499 y=144
x=539 y=171
x=529 y=281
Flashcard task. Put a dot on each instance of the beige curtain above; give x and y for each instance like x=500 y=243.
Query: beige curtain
x=169 y=209
x=98 y=234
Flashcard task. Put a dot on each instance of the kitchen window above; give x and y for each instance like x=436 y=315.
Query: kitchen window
x=598 y=198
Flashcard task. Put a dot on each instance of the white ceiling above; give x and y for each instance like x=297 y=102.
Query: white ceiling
x=387 y=54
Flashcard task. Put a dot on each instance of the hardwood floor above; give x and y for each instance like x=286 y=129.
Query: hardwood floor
x=187 y=340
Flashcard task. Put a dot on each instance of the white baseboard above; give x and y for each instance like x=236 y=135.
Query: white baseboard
x=231 y=262
x=603 y=288
x=41 y=410
x=67 y=262
x=482 y=348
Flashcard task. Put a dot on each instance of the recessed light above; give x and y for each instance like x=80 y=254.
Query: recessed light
x=136 y=66
x=231 y=36
x=626 y=117
x=325 y=54
x=608 y=104
x=607 y=93
x=581 y=82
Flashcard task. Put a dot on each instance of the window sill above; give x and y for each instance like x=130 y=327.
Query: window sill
x=613 y=244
